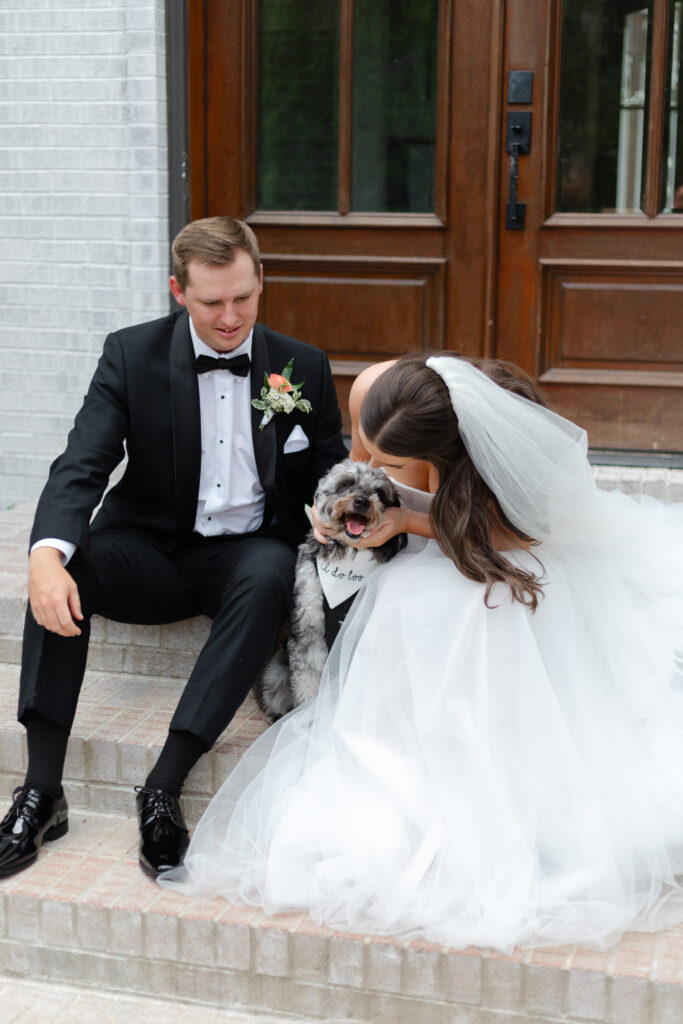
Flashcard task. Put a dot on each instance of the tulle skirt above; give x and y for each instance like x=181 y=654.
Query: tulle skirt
x=478 y=775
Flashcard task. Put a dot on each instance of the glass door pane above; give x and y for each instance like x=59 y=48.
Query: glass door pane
x=298 y=105
x=672 y=198
x=604 y=83
x=394 y=105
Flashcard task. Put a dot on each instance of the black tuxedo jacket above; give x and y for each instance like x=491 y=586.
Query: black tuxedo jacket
x=144 y=396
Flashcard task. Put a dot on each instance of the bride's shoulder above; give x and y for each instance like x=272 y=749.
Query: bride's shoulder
x=359 y=390
x=365 y=380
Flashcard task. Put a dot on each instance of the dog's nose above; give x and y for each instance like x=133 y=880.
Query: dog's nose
x=361 y=504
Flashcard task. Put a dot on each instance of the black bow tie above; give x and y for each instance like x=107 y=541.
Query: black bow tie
x=239 y=365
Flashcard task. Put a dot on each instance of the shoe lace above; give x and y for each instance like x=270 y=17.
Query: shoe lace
x=24 y=805
x=158 y=801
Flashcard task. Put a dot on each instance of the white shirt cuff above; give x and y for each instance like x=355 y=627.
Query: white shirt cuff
x=66 y=548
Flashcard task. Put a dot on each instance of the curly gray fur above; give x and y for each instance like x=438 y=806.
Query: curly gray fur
x=357 y=489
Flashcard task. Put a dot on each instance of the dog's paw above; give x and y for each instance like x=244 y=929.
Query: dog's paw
x=273 y=691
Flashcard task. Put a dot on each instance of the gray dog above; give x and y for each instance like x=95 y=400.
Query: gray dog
x=350 y=501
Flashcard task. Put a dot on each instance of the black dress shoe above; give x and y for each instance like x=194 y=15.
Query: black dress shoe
x=164 y=836
x=33 y=819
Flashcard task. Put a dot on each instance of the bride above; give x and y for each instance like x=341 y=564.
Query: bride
x=495 y=757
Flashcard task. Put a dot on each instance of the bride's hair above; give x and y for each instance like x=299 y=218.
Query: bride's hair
x=408 y=412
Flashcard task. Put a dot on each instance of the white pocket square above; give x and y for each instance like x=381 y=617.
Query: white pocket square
x=296 y=442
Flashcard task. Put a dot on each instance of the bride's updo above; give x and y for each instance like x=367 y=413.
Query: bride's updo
x=407 y=412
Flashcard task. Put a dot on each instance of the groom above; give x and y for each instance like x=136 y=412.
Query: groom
x=205 y=520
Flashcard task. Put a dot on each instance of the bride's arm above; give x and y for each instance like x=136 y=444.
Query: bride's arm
x=358 y=453
x=396 y=520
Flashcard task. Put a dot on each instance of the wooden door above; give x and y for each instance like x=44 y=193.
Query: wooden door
x=590 y=290
x=365 y=141
x=353 y=135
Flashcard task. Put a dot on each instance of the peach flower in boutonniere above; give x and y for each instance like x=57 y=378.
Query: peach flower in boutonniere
x=278 y=394
x=278 y=382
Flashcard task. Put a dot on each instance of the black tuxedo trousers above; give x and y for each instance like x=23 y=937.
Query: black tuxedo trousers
x=244 y=583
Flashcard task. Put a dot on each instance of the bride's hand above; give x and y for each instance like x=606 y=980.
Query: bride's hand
x=319 y=531
x=392 y=523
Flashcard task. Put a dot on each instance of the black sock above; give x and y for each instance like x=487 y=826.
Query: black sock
x=180 y=753
x=46 y=753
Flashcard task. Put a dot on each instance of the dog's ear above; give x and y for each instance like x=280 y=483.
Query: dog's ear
x=385 y=552
x=388 y=496
x=311 y=547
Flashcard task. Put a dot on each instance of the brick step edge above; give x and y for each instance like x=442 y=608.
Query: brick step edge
x=104 y=798
x=101 y=774
x=120 y=727
x=281 y=967
x=23 y=1000
x=170 y=650
x=85 y=914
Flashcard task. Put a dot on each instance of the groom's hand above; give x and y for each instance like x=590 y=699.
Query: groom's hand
x=52 y=593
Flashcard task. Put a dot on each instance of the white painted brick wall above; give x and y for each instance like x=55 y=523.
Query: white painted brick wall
x=83 y=209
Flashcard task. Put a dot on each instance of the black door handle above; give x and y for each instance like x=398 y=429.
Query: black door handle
x=517 y=140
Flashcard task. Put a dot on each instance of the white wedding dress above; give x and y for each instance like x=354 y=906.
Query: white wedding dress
x=482 y=775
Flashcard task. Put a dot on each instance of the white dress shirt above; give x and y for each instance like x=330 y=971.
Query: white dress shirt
x=231 y=498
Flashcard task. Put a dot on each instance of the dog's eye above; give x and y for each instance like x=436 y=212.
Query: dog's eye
x=346 y=482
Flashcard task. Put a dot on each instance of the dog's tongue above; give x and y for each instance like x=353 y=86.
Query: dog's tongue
x=355 y=525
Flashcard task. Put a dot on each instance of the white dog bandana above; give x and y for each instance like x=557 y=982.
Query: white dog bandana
x=340 y=580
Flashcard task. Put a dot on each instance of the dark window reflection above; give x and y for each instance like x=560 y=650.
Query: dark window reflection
x=672 y=185
x=298 y=76
x=394 y=105
x=604 y=82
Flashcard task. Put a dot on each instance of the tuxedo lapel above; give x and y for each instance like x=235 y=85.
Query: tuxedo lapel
x=265 y=441
x=187 y=443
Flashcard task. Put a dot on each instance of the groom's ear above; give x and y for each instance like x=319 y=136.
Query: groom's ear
x=176 y=290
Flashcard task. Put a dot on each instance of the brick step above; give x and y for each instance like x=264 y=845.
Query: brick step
x=120 y=727
x=85 y=915
x=168 y=651
x=34 y=1002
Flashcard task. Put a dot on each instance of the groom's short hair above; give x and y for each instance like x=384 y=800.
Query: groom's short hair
x=213 y=241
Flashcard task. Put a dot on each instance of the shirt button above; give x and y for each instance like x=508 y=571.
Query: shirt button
x=209 y=518
x=222 y=396
x=217 y=485
x=221 y=441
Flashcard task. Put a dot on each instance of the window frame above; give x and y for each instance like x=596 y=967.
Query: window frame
x=343 y=216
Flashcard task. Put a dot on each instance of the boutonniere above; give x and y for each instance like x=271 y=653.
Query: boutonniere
x=278 y=394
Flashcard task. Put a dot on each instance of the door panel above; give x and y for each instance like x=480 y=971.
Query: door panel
x=596 y=314
x=590 y=297
x=338 y=297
